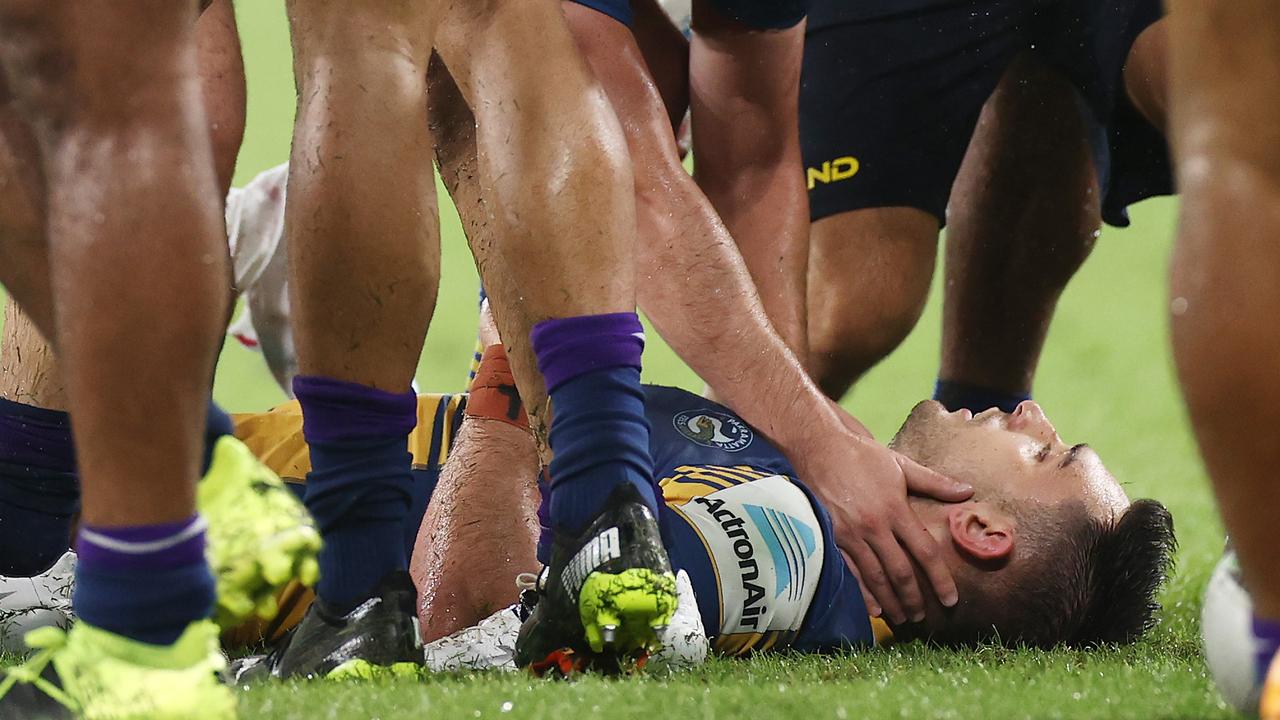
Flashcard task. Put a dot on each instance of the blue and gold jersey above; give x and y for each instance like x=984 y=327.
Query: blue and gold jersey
x=749 y=534
x=757 y=545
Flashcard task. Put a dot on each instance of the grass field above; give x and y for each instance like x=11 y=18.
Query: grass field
x=1106 y=378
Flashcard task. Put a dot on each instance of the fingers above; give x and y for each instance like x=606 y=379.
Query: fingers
x=873 y=607
x=901 y=574
x=924 y=549
x=927 y=483
x=875 y=581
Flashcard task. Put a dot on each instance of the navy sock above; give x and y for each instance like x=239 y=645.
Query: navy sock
x=40 y=485
x=1267 y=634
x=599 y=435
x=146 y=582
x=360 y=488
x=957 y=396
x=39 y=489
x=545 y=534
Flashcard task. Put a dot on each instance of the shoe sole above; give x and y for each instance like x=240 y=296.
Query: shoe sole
x=624 y=616
x=628 y=611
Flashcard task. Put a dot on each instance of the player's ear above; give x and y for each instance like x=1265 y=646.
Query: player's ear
x=981 y=532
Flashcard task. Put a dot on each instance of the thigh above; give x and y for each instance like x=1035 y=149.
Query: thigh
x=1091 y=42
x=1225 y=82
x=511 y=49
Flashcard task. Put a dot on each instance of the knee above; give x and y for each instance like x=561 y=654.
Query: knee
x=846 y=339
x=38 y=61
x=96 y=64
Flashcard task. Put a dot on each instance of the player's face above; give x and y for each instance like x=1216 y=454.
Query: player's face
x=1015 y=455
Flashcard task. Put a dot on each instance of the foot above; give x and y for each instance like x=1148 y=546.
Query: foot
x=490 y=644
x=96 y=675
x=381 y=632
x=260 y=536
x=27 y=603
x=607 y=597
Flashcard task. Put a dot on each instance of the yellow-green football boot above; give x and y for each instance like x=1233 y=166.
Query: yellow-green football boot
x=260 y=536
x=91 y=674
x=606 y=599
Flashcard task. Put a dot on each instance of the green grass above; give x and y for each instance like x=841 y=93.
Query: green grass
x=1106 y=378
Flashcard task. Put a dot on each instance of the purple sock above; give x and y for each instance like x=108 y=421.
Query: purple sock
x=599 y=434
x=360 y=486
x=1267 y=634
x=145 y=582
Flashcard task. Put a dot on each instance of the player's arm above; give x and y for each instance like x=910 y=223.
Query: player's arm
x=699 y=295
x=697 y=291
x=481 y=527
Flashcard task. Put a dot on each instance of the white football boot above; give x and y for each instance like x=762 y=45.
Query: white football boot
x=491 y=644
x=27 y=603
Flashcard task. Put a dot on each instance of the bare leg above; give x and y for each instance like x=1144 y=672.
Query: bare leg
x=869 y=274
x=1024 y=216
x=29 y=371
x=480 y=530
x=666 y=54
x=745 y=88
x=1146 y=74
x=361 y=216
x=160 y=267
x=464 y=564
x=532 y=254
x=1225 y=73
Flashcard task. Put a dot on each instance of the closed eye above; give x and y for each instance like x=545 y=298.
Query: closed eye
x=1071 y=454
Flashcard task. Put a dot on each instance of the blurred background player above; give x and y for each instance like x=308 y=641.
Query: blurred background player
x=102 y=114
x=893 y=94
x=1225 y=91
x=364 y=268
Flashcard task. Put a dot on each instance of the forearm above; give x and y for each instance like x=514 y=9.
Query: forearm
x=698 y=294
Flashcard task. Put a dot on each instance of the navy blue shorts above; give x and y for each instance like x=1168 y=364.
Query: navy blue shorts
x=758 y=14
x=892 y=89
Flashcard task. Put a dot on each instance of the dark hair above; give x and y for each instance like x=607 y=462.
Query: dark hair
x=1073 y=581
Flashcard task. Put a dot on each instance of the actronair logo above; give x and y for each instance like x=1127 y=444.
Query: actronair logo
x=599 y=550
x=744 y=550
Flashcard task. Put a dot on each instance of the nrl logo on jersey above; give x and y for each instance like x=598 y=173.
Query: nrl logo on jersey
x=714 y=430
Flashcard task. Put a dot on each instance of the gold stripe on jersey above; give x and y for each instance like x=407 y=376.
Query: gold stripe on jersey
x=736 y=644
x=691 y=481
x=881 y=632
x=276 y=438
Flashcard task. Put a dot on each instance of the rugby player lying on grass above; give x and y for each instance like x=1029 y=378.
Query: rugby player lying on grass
x=1048 y=551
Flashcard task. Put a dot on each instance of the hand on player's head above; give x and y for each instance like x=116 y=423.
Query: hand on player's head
x=1049 y=550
